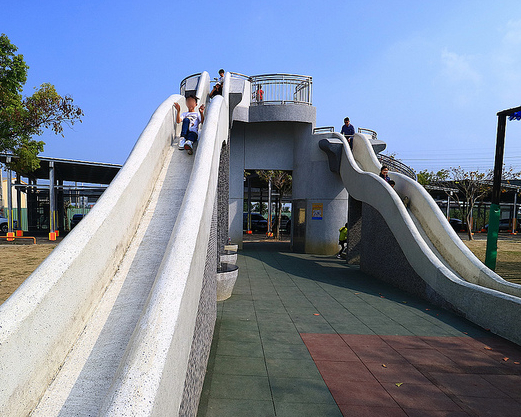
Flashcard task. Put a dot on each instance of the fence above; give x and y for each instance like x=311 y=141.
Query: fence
x=281 y=89
x=396 y=166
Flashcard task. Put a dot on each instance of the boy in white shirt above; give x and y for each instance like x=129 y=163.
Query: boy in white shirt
x=191 y=120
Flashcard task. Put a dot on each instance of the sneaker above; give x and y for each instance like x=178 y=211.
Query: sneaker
x=339 y=256
x=182 y=143
x=189 y=147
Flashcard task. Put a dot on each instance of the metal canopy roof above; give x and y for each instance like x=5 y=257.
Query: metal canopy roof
x=72 y=170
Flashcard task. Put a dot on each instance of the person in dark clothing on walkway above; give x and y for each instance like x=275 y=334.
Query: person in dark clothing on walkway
x=384 y=173
x=348 y=130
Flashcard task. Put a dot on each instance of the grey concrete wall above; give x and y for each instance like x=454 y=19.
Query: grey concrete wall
x=382 y=257
x=204 y=325
x=315 y=183
x=223 y=191
x=354 y=234
x=283 y=113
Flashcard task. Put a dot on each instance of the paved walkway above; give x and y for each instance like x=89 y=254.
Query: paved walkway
x=307 y=335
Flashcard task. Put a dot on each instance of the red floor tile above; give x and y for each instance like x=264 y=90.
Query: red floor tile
x=344 y=371
x=397 y=372
x=420 y=396
x=468 y=385
x=426 y=357
x=469 y=358
x=330 y=347
x=448 y=342
x=380 y=354
x=364 y=411
x=434 y=413
x=493 y=407
x=370 y=394
x=510 y=384
x=363 y=340
x=406 y=342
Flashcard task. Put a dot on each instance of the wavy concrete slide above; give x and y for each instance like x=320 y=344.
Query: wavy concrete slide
x=431 y=246
x=105 y=309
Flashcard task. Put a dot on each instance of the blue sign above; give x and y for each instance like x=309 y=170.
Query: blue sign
x=515 y=116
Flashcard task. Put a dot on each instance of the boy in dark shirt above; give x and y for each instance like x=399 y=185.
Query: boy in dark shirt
x=348 y=130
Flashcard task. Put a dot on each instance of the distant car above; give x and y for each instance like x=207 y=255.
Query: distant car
x=258 y=223
x=285 y=222
x=456 y=224
x=76 y=218
x=506 y=224
x=4 y=225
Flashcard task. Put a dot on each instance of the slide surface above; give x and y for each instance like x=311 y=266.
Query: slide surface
x=123 y=286
x=431 y=246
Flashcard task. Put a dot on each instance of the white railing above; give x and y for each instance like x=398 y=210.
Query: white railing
x=324 y=129
x=373 y=134
x=182 y=85
x=281 y=89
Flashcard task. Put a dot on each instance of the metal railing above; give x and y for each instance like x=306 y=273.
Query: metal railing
x=369 y=132
x=396 y=166
x=281 y=89
x=182 y=85
x=324 y=129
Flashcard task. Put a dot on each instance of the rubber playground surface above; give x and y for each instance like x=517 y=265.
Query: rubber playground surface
x=307 y=335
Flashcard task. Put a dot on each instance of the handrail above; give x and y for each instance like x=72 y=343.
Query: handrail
x=396 y=166
x=368 y=131
x=239 y=75
x=324 y=129
x=281 y=89
x=182 y=84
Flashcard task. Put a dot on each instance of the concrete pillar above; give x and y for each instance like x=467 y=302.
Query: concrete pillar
x=323 y=191
x=236 y=182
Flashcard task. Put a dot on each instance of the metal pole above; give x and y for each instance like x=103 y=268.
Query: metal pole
x=514 y=218
x=9 y=199
x=18 y=202
x=249 y=204
x=448 y=205
x=1 y=191
x=495 y=211
x=51 y=198
x=269 y=206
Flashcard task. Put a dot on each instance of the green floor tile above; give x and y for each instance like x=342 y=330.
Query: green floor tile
x=240 y=387
x=238 y=408
x=300 y=390
x=293 y=368
x=245 y=349
x=291 y=409
x=237 y=365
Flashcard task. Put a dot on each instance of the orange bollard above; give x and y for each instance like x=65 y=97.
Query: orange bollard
x=52 y=236
x=57 y=232
x=19 y=233
x=10 y=236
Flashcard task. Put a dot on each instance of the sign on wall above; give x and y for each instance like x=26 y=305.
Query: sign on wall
x=317 y=210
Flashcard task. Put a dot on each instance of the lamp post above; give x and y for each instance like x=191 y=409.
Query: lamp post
x=495 y=212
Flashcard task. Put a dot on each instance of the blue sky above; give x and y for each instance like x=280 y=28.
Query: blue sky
x=429 y=77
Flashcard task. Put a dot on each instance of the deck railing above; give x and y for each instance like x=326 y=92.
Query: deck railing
x=396 y=166
x=281 y=89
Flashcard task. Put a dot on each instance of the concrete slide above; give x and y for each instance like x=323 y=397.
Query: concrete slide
x=432 y=248
x=115 y=303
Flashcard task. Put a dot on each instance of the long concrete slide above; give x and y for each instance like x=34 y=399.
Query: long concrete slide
x=432 y=248
x=105 y=325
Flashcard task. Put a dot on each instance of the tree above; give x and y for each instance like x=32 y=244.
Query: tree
x=426 y=177
x=282 y=182
x=472 y=186
x=21 y=117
